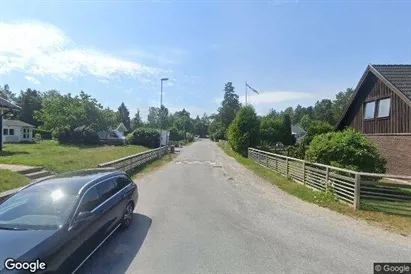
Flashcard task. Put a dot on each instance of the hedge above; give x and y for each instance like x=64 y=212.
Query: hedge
x=147 y=137
x=45 y=134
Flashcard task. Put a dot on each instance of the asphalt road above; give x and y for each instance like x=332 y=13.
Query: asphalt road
x=205 y=213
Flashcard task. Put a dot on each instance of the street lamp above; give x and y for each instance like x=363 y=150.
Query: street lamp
x=1 y=126
x=161 y=106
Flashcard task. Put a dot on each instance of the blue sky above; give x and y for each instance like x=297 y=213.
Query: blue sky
x=293 y=52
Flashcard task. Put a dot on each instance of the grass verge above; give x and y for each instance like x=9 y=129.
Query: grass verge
x=394 y=223
x=10 y=180
x=143 y=170
x=62 y=158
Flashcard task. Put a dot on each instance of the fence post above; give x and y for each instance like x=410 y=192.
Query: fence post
x=327 y=176
x=357 y=189
x=259 y=155
x=276 y=164
x=304 y=173
x=286 y=167
x=266 y=160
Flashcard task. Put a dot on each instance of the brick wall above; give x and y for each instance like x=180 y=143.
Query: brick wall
x=396 y=149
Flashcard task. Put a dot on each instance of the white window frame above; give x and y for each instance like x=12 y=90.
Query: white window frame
x=389 y=107
x=365 y=110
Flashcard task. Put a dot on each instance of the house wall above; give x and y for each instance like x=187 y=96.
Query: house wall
x=396 y=149
x=399 y=120
x=12 y=138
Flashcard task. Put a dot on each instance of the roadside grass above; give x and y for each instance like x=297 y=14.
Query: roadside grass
x=10 y=180
x=392 y=222
x=150 y=167
x=61 y=158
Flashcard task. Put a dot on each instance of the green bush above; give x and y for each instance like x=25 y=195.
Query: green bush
x=45 y=134
x=244 y=130
x=147 y=137
x=346 y=149
x=79 y=136
x=190 y=137
x=175 y=134
x=37 y=136
x=297 y=151
x=316 y=128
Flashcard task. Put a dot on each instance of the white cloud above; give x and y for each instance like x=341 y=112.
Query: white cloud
x=273 y=97
x=32 y=79
x=164 y=56
x=42 y=49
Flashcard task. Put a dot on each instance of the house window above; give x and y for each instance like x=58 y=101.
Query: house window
x=384 y=107
x=11 y=131
x=369 y=110
x=25 y=133
x=5 y=131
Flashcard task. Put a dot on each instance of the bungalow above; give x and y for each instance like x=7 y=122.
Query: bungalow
x=380 y=108
x=122 y=128
x=298 y=132
x=6 y=107
x=15 y=131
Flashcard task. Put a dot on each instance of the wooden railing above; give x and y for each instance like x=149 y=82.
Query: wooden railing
x=131 y=162
x=374 y=191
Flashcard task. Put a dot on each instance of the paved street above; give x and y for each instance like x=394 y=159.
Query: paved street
x=205 y=213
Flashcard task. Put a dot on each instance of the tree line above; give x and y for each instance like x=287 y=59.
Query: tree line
x=53 y=111
x=243 y=128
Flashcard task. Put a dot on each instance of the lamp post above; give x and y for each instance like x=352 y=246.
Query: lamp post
x=1 y=126
x=161 y=106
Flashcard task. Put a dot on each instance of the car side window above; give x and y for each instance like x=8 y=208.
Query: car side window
x=122 y=182
x=90 y=200
x=106 y=189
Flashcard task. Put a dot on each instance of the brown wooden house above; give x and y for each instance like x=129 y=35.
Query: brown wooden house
x=381 y=109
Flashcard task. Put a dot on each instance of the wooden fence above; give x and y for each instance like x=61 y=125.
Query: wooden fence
x=370 y=190
x=131 y=162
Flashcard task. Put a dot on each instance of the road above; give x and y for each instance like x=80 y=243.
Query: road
x=205 y=213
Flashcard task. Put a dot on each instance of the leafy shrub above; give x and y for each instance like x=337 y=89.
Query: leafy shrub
x=220 y=134
x=37 y=137
x=297 y=151
x=45 y=134
x=190 y=137
x=346 y=149
x=316 y=128
x=79 y=136
x=147 y=137
x=244 y=130
x=175 y=134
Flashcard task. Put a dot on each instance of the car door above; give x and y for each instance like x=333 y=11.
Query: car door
x=125 y=191
x=108 y=205
x=81 y=238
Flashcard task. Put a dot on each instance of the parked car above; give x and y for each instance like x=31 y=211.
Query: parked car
x=112 y=137
x=62 y=220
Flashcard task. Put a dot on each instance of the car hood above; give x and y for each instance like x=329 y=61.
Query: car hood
x=15 y=243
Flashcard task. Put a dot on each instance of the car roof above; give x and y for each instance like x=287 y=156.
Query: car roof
x=75 y=181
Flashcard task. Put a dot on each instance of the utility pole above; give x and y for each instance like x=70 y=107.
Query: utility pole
x=245 y=92
x=160 y=111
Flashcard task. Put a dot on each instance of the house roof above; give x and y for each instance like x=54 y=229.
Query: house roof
x=8 y=105
x=16 y=123
x=297 y=129
x=122 y=127
x=396 y=77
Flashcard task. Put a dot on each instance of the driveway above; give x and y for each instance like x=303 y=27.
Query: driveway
x=205 y=213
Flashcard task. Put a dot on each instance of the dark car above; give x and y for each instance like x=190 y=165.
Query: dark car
x=58 y=223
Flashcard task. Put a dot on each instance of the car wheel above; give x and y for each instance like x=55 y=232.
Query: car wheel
x=127 y=216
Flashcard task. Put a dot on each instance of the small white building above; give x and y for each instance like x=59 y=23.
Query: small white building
x=15 y=131
x=6 y=108
x=122 y=128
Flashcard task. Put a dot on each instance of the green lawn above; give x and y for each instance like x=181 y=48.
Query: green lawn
x=386 y=219
x=61 y=158
x=10 y=180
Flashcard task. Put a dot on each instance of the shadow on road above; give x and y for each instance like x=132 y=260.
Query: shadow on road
x=115 y=255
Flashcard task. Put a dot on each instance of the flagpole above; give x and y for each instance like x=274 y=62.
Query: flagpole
x=246 y=93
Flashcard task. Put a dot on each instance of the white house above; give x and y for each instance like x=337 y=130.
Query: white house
x=298 y=132
x=122 y=128
x=15 y=131
x=6 y=108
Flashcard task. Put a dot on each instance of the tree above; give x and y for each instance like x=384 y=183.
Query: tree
x=286 y=137
x=244 y=130
x=305 y=122
x=323 y=111
x=316 y=128
x=270 y=130
x=7 y=94
x=30 y=101
x=229 y=106
x=342 y=99
x=346 y=149
x=153 y=117
x=136 y=122
x=124 y=116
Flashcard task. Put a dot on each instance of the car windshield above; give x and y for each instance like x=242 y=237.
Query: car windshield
x=37 y=208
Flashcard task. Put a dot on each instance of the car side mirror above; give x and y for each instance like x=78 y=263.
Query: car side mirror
x=83 y=216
